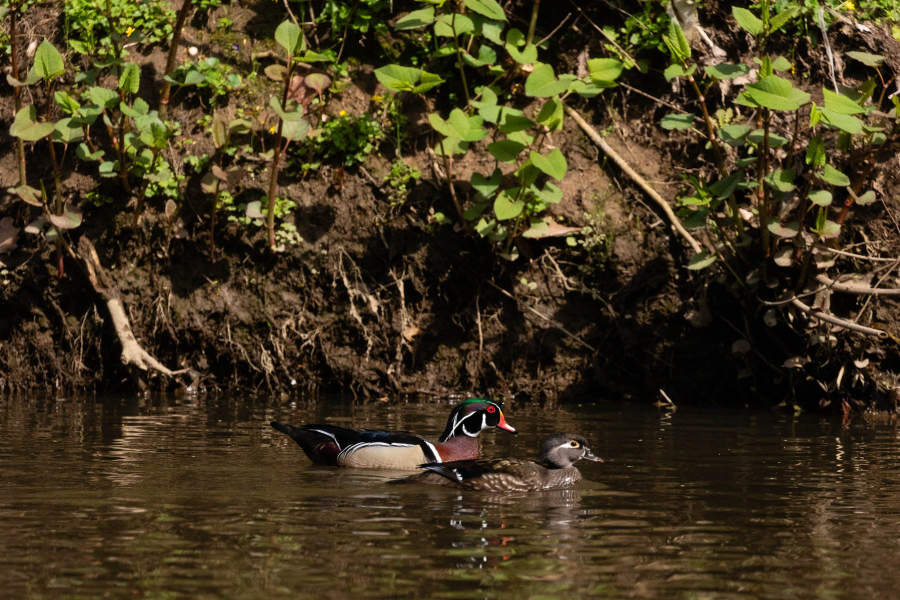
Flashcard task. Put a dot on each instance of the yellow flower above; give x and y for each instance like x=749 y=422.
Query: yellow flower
x=849 y=5
x=343 y=113
x=272 y=129
x=129 y=31
x=377 y=98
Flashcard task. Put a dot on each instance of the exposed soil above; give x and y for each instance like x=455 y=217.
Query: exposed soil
x=382 y=300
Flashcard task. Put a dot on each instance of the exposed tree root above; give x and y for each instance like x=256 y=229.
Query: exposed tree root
x=642 y=183
x=823 y=316
x=134 y=357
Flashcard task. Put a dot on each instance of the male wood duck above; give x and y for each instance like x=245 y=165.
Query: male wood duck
x=552 y=470
x=373 y=449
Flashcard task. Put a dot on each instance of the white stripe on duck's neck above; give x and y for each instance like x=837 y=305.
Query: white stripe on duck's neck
x=459 y=426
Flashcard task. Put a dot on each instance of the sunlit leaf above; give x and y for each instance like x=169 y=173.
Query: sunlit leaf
x=26 y=126
x=70 y=219
x=701 y=260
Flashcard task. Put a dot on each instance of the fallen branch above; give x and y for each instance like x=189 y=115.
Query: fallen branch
x=856 y=288
x=640 y=181
x=822 y=316
x=133 y=355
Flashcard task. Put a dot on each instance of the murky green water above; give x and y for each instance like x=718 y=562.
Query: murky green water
x=200 y=499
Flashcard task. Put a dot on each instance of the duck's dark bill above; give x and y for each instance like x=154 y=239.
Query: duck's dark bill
x=588 y=455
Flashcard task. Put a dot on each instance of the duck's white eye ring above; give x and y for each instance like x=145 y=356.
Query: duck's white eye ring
x=574 y=444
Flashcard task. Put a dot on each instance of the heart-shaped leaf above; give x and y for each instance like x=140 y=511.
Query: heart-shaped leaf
x=820 y=197
x=506 y=207
x=788 y=230
x=27 y=194
x=317 y=82
x=254 y=210
x=48 y=62
x=553 y=164
x=542 y=83
x=26 y=126
x=505 y=150
x=867 y=198
x=70 y=219
x=605 y=70
x=484 y=187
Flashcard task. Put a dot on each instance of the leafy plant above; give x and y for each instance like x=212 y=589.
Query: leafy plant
x=347 y=139
x=511 y=200
x=398 y=181
x=209 y=74
x=97 y=26
x=290 y=124
x=765 y=206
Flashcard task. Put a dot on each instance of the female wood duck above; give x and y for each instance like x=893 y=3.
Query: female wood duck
x=553 y=469
x=367 y=448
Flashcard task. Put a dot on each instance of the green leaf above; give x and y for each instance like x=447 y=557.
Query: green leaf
x=515 y=39
x=701 y=260
x=788 y=230
x=867 y=198
x=674 y=70
x=484 y=187
x=552 y=114
x=841 y=104
x=542 y=83
x=781 y=19
x=445 y=25
x=505 y=150
x=295 y=130
x=30 y=79
x=130 y=79
x=870 y=60
x=103 y=97
x=26 y=126
x=820 y=197
x=85 y=154
x=70 y=219
x=677 y=121
x=815 y=152
x=550 y=194
x=758 y=137
x=27 y=194
x=491 y=30
x=288 y=35
x=726 y=186
x=605 y=70
x=459 y=126
x=67 y=103
x=427 y=81
x=676 y=42
x=776 y=93
x=724 y=71
x=397 y=77
x=829 y=229
x=781 y=180
x=847 y=123
x=48 y=62
x=505 y=207
x=486 y=56
x=748 y=21
x=834 y=177
x=451 y=146
x=553 y=164
x=734 y=135
x=67 y=131
x=488 y=8
x=416 y=19
x=585 y=89
x=292 y=112
x=781 y=64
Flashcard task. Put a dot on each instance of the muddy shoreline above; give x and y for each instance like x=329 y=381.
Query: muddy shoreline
x=381 y=300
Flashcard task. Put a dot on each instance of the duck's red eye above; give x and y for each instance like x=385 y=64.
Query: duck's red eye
x=491 y=409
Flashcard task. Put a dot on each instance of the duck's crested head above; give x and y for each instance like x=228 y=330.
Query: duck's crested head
x=472 y=416
x=561 y=450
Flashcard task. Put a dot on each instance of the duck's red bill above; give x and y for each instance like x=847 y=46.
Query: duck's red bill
x=506 y=426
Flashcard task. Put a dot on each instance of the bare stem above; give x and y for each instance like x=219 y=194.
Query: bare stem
x=20 y=144
x=170 y=60
x=532 y=24
x=276 y=161
x=459 y=60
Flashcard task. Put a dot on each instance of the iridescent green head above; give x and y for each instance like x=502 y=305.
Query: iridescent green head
x=472 y=416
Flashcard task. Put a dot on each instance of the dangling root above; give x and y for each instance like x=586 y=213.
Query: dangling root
x=134 y=357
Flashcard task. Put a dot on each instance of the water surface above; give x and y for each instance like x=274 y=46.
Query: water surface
x=199 y=498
